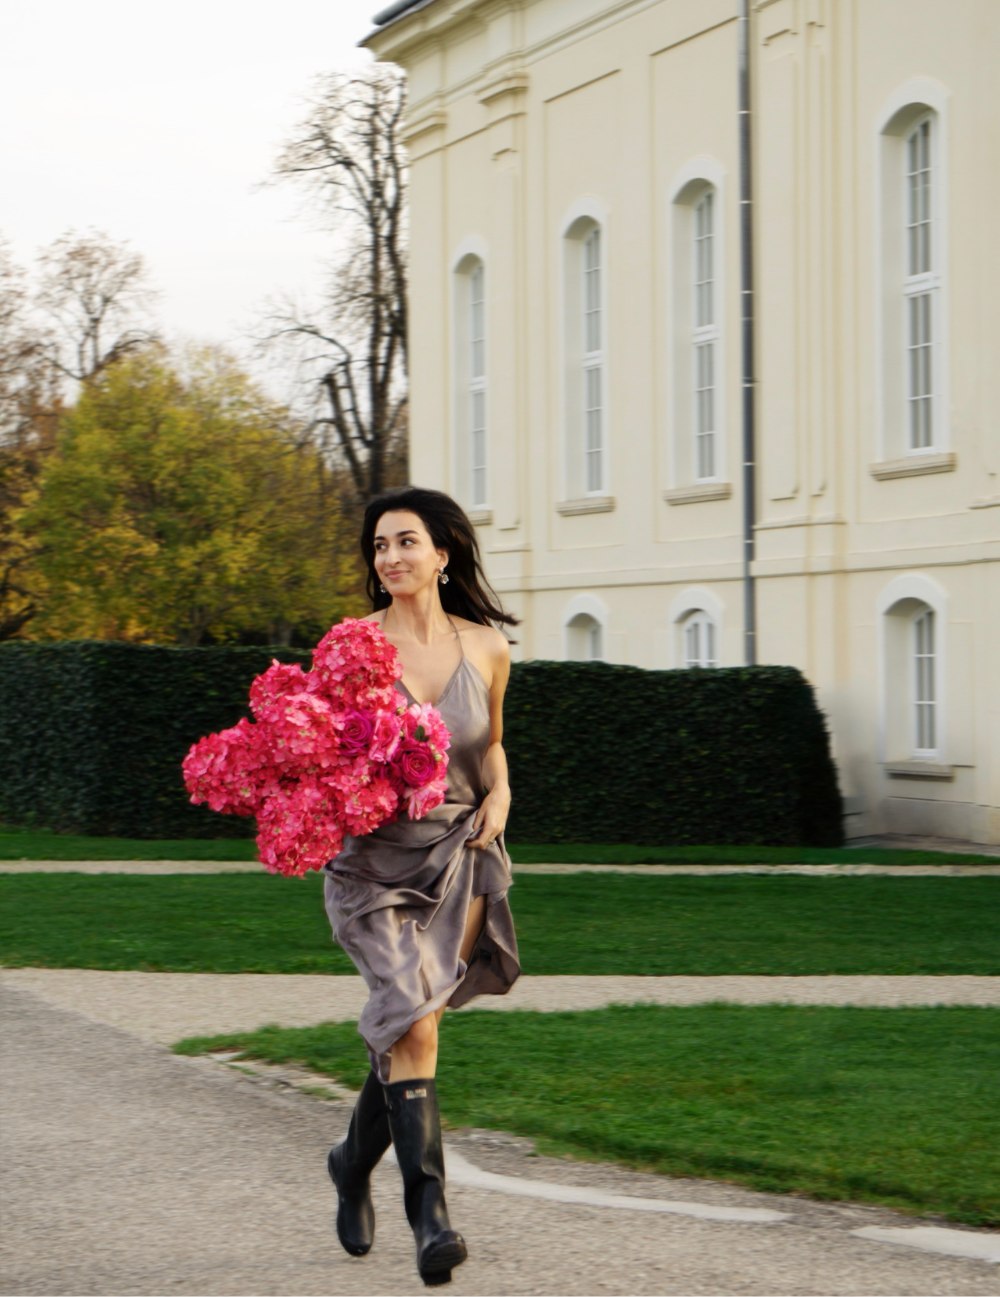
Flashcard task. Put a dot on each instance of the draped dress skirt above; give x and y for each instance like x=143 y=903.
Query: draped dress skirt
x=398 y=899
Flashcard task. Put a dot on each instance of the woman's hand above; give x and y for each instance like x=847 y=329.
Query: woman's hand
x=489 y=820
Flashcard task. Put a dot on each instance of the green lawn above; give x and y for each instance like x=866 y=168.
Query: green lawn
x=577 y=923
x=42 y=844
x=895 y=1106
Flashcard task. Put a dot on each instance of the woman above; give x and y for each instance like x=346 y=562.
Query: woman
x=421 y=905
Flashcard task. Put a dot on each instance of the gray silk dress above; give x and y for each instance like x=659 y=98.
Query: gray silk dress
x=398 y=898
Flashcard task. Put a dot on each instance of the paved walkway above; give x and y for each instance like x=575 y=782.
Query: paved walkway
x=129 y=1170
x=164 y=1007
x=153 y=867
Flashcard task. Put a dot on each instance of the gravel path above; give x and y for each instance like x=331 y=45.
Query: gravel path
x=165 y=1007
x=153 y=867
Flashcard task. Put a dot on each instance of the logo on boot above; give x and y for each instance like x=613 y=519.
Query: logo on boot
x=420 y=1093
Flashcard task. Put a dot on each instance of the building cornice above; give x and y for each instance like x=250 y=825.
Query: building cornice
x=424 y=22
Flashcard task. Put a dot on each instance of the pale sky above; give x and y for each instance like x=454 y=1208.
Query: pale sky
x=155 y=121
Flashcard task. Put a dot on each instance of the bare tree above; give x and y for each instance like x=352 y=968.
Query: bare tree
x=26 y=381
x=29 y=407
x=95 y=295
x=347 y=156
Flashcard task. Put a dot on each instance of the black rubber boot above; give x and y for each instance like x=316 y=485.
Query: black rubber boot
x=351 y=1163
x=416 y=1135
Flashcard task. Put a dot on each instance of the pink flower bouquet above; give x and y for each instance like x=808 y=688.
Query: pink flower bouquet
x=331 y=751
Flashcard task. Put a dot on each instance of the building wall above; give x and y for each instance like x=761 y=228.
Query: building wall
x=528 y=119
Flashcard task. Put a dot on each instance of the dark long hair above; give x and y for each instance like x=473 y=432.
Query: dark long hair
x=468 y=594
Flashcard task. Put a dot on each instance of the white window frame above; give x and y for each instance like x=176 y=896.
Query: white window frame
x=592 y=361
x=470 y=375
x=585 y=298
x=901 y=290
x=696 y=605
x=476 y=428
x=702 y=178
x=921 y=293
x=698 y=627
x=704 y=339
x=923 y=683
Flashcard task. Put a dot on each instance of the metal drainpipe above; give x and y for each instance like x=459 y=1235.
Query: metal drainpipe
x=747 y=300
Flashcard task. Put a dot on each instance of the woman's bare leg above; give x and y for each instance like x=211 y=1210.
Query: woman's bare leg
x=474 y=921
x=414 y=1055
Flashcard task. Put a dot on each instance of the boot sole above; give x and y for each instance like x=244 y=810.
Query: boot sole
x=439 y=1259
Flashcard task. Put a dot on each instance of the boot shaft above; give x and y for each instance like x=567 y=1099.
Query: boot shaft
x=416 y=1135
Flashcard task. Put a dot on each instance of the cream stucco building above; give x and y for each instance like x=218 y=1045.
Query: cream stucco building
x=578 y=368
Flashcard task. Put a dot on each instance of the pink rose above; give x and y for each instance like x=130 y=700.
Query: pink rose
x=356 y=733
x=416 y=763
x=418 y=801
x=387 y=733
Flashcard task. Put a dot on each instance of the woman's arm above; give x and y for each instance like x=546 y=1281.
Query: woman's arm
x=491 y=816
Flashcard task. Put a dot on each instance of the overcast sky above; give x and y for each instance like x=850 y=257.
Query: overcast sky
x=156 y=121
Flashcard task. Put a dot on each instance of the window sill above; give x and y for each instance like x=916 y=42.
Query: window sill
x=698 y=492
x=914 y=465
x=479 y=517
x=586 y=504
x=918 y=770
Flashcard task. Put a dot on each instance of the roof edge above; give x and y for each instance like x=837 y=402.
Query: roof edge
x=393 y=12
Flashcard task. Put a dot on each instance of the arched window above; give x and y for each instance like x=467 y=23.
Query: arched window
x=695 y=360
x=698 y=635
x=912 y=374
x=471 y=381
x=584 y=639
x=920 y=286
x=585 y=327
x=913 y=621
x=697 y=616
x=584 y=629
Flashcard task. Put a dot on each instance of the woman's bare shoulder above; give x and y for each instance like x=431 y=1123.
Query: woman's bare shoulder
x=487 y=640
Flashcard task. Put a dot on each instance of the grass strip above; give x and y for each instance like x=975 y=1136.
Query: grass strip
x=43 y=844
x=567 y=924
x=891 y=1106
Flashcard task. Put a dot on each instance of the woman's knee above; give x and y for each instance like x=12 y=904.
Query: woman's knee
x=422 y=1035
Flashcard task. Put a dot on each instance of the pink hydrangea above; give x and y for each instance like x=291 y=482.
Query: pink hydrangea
x=278 y=680
x=355 y=665
x=331 y=751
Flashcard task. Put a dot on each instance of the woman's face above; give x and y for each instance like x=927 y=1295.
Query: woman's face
x=406 y=560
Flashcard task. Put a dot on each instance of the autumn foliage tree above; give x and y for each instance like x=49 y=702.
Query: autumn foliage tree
x=87 y=310
x=182 y=507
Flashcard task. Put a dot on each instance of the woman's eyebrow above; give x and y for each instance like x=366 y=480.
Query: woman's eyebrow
x=409 y=531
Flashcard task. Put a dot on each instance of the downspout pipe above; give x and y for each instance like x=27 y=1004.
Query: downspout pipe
x=747 y=331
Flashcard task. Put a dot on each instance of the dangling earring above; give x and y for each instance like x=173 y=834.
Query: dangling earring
x=443 y=577
x=381 y=587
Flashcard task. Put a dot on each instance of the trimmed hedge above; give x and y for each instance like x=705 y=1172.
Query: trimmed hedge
x=602 y=753
x=92 y=736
